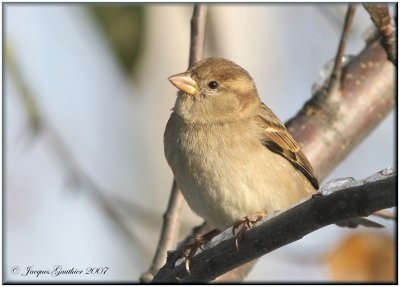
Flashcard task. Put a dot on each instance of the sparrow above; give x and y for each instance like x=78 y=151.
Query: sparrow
x=230 y=154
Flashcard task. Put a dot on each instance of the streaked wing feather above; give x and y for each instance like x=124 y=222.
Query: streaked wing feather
x=279 y=140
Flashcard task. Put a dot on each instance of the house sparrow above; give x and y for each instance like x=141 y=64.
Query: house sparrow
x=230 y=154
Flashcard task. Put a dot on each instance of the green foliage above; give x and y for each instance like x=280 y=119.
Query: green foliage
x=124 y=26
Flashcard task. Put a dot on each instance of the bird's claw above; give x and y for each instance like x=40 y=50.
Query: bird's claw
x=193 y=249
x=239 y=236
x=190 y=250
x=246 y=223
x=317 y=194
x=187 y=265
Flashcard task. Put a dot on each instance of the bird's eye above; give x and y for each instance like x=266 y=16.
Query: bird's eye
x=213 y=84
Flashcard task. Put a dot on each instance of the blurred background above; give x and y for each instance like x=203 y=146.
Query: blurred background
x=86 y=100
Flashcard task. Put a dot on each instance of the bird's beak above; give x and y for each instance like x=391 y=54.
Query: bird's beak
x=184 y=82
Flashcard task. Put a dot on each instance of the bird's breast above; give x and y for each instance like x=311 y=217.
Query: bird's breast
x=225 y=176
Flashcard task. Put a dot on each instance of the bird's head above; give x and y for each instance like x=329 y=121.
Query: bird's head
x=215 y=90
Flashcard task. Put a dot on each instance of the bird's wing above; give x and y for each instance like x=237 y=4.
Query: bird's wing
x=278 y=139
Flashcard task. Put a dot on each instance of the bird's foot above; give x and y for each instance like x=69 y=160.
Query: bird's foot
x=188 y=251
x=317 y=194
x=246 y=223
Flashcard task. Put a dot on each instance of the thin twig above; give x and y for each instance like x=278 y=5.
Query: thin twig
x=169 y=232
x=198 y=32
x=381 y=17
x=337 y=68
x=172 y=216
x=342 y=199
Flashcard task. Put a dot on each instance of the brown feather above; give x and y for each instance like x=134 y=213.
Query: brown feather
x=278 y=139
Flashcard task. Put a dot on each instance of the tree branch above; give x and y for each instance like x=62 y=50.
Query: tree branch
x=172 y=216
x=341 y=199
x=381 y=17
x=329 y=127
x=337 y=68
x=334 y=121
